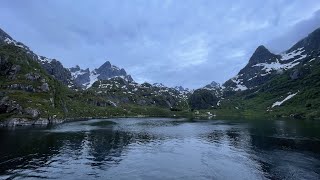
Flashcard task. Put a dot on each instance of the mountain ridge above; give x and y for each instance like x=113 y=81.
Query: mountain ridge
x=37 y=88
x=264 y=65
x=84 y=78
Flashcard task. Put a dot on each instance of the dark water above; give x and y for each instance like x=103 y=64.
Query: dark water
x=163 y=149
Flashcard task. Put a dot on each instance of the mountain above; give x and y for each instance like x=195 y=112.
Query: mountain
x=52 y=66
x=84 y=78
x=38 y=90
x=264 y=65
x=72 y=77
x=285 y=84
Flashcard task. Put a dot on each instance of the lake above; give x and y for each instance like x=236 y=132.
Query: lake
x=162 y=148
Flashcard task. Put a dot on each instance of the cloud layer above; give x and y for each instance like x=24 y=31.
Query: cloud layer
x=189 y=43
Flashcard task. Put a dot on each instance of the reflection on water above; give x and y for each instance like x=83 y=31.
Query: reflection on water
x=163 y=149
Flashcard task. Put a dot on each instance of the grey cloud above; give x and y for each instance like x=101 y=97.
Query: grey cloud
x=189 y=43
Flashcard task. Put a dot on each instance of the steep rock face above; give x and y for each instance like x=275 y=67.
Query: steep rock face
x=109 y=71
x=264 y=65
x=26 y=89
x=56 y=69
x=84 y=78
x=80 y=76
x=52 y=66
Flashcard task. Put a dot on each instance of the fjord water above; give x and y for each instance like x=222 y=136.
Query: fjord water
x=158 y=148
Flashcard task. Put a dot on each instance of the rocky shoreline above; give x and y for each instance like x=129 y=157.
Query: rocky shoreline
x=12 y=122
x=22 y=121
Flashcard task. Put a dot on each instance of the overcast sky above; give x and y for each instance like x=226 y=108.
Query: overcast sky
x=175 y=42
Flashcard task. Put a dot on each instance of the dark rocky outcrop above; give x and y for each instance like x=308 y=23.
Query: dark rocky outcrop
x=9 y=106
x=203 y=99
x=56 y=69
x=8 y=69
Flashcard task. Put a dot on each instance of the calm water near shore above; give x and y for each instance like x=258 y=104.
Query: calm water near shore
x=160 y=148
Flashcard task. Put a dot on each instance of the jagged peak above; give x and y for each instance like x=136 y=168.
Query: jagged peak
x=158 y=85
x=261 y=50
x=214 y=84
x=75 y=68
x=261 y=55
x=105 y=65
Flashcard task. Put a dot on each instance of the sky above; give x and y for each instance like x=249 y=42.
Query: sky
x=174 y=42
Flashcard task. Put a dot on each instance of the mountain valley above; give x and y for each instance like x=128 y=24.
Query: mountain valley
x=36 y=89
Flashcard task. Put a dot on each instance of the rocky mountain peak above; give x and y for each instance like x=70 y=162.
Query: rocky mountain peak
x=106 y=65
x=214 y=84
x=74 y=69
x=263 y=65
x=261 y=55
x=84 y=78
x=107 y=70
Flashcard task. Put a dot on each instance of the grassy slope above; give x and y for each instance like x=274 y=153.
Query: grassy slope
x=61 y=101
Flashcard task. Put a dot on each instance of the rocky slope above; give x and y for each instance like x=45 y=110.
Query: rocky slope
x=285 y=84
x=27 y=90
x=52 y=66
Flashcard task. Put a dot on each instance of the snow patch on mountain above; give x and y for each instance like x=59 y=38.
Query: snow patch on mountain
x=41 y=59
x=293 y=54
x=239 y=84
x=93 y=78
x=312 y=59
x=268 y=67
x=77 y=73
x=15 y=43
x=44 y=59
x=160 y=85
x=278 y=103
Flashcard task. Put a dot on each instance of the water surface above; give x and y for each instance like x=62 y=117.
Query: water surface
x=157 y=148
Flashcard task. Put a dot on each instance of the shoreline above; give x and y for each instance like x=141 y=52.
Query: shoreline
x=24 y=122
